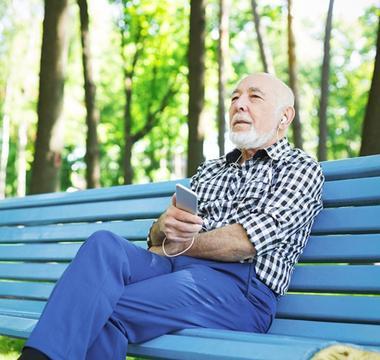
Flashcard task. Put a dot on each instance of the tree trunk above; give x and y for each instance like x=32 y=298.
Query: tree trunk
x=371 y=125
x=196 y=84
x=265 y=53
x=21 y=157
x=128 y=169
x=128 y=141
x=49 y=141
x=92 y=117
x=4 y=155
x=5 y=134
x=292 y=60
x=322 y=112
x=222 y=70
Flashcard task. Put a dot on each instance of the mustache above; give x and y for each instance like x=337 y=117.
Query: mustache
x=241 y=118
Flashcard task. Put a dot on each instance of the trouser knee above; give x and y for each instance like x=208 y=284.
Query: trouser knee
x=106 y=240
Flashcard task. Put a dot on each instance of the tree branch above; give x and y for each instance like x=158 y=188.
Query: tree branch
x=152 y=117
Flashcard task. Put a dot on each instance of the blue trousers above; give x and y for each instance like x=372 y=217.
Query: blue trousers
x=114 y=292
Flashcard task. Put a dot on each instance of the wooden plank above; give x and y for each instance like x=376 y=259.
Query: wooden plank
x=131 y=230
x=43 y=252
x=99 y=211
x=249 y=336
x=364 y=191
x=182 y=346
x=335 y=248
x=364 y=166
x=359 y=309
x=22 y=308
x=26 y=290
x=199 y=348
x=365 y=334
x=363 y=219
x=313 y=278
x=39 y=252
x=18 y=327
x=114 y=193
x=336 y=278
x=30 y=271
x=343 y=248
x=348 y=220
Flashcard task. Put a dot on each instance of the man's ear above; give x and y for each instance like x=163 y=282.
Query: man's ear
x=287 y=117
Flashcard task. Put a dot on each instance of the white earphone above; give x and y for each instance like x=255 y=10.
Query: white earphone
x=283 y=120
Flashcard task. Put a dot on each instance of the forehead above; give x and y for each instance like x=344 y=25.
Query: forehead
x=255 y=83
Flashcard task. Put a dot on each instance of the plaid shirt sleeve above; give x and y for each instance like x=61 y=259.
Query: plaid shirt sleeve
x=290 y=205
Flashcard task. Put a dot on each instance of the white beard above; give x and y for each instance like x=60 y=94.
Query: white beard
x=250 y=139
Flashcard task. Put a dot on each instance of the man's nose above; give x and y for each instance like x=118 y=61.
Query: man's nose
x=241 y=103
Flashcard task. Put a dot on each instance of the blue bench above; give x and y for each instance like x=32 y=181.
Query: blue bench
x=334 y=293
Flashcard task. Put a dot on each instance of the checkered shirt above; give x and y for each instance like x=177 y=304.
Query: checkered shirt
x=275 y=196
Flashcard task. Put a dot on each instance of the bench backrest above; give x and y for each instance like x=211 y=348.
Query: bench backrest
x=334 y=293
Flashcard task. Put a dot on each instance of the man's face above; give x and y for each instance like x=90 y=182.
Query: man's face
x=254 y=111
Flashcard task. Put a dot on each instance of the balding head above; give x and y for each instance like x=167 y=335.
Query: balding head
x=282 y=93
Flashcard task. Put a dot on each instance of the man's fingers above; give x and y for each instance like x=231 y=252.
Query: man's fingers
x=172 y=224
x=184 y=216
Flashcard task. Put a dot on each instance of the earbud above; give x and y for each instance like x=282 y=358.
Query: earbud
x=283 y=120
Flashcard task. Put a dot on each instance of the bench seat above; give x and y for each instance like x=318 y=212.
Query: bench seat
x=334 y=294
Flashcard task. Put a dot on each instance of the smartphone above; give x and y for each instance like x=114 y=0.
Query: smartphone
x=186 y=199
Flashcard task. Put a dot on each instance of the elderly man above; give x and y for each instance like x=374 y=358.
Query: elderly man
x=256 y=208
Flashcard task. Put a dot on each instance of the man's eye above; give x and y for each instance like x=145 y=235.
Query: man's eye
x=234 y=98
x=255 y=96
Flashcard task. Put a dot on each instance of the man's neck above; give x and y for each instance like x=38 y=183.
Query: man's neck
x=246 y=154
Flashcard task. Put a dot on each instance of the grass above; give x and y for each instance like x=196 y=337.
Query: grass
x=10 y=348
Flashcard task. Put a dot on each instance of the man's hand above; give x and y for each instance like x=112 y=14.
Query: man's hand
x=179 y=225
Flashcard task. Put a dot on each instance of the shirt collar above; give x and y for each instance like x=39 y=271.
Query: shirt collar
x=275 y=151
x=278 y=149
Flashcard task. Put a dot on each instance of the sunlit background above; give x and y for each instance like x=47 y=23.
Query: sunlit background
x=162 y=154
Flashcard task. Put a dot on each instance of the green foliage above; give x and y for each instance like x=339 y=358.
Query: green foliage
x=10 y=348
x=159 y=31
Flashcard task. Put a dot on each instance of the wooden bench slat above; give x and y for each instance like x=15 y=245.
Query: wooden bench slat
x=124 y=192
x=342 y=248
x=323 y=278
x=188 y=347
x=47 y=252
x=336 y=278
x=132 y=230
x=43 y=252
x=360 y=309
x=359 y=167
x=21 y=289
x=327 y=248
x=364 y=191
x=365 y=334
x=105 y=211
x=22 y=308
x=19 y=327
x=348 y=220
x=335 y=193
x=30 y=271
x=336 y=248
x=363 y=219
